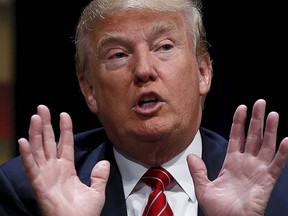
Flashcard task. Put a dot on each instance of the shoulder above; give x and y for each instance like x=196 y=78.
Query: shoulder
x=214 y=148
x=84 y=143
x=91 y=138
x=210 y=137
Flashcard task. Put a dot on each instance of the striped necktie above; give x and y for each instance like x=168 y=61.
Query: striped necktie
x=158 y=179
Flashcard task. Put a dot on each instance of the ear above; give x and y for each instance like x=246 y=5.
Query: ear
x=205 y=75
x=87 y=90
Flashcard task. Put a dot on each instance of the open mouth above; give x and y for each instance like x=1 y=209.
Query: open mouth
x=148 y=100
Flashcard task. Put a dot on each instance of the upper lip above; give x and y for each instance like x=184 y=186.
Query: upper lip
x=147 y=96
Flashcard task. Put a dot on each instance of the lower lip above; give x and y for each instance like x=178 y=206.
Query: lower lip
x=148 y=110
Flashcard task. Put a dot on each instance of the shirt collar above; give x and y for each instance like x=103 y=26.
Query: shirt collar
x=131 y=171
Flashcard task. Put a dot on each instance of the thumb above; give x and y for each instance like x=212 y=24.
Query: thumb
x=198 y=172
x=99 y=176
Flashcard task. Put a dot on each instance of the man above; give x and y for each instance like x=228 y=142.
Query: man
x=144 y=70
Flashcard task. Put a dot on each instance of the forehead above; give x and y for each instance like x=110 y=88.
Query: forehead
x=132 y=21
x=102 y=8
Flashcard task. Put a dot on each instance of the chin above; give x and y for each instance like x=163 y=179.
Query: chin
x=152 y=132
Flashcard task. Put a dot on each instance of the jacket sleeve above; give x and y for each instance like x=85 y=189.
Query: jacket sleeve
x=16 y=196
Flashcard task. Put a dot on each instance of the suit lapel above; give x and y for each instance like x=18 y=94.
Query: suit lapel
x=115 y=203
x=213 y=154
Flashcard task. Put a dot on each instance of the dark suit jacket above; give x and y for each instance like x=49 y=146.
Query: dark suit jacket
x=16 y=197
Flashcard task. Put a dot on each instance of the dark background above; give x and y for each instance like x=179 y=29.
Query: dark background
x=249 y=49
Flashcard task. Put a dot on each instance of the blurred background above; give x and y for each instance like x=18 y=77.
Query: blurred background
x=248 y=47
x=7 y=74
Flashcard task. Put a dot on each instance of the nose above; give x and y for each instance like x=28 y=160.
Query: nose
x=145 y=67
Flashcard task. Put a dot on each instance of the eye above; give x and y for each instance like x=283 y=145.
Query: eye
x=166 y=47
x=116 y=58
x=118 y=55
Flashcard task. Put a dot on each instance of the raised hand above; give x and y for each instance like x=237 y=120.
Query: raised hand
x=250 y=170
x=50 y=169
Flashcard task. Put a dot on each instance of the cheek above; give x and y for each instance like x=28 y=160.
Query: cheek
x=184 y=83
x=187 y=93
x=183 y=73
x=111 y=93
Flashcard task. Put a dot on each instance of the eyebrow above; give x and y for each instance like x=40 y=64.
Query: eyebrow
x=163 y=27
x=111 y=37
x=119 y=37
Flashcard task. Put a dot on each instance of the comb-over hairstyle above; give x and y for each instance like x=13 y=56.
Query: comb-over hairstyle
x=98 y=10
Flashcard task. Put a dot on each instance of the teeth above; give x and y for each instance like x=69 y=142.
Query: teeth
x=148 y=100
x=147 y=104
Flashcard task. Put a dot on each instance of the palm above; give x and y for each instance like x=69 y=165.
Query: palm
x=50 y=169
x=239 y=189
x=250 y=169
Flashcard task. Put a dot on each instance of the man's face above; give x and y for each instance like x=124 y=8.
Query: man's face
x=145 y=82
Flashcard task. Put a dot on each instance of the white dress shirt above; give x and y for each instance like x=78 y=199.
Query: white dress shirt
x=180 y=194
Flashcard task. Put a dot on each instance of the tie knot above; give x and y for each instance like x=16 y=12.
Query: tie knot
x=157 y=177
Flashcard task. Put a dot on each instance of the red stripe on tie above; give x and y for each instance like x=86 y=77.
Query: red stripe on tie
x=158 y=179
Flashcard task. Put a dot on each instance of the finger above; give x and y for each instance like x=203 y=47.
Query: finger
x=99 y=176
x=27 y=158
x=198 y=172
x=255 y=131
x=237 y=132
x=36 y=139
x=268 y=147
x=280 y=159
x=66 y=141
x=49 y=144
